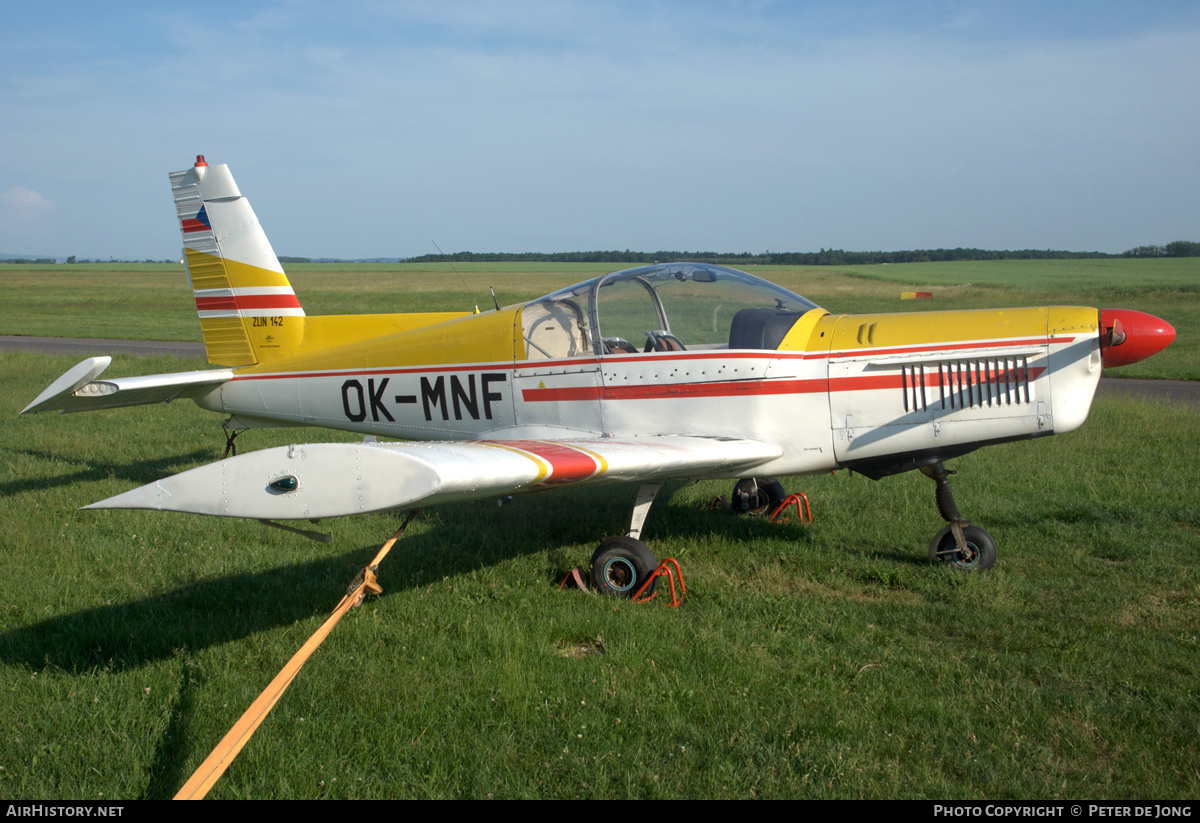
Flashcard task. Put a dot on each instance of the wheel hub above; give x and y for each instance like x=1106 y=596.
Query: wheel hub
x=619 y=574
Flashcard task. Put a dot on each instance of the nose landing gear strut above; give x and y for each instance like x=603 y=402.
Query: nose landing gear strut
x=959 y=544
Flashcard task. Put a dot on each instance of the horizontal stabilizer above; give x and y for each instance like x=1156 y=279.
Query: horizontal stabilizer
x=337 y=479
x=79 y=390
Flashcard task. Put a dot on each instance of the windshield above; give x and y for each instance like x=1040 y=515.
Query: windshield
x=671 y=307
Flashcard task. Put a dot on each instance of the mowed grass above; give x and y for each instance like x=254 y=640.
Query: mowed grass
x=831 y=660
x=152 y=301
x=826 y=661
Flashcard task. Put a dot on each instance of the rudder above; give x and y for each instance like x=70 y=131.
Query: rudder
x=248 y=311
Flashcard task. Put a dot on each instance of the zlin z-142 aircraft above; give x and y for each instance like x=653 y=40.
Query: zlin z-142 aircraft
x=677 y=371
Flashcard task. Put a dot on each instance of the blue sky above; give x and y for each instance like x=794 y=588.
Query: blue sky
x=378 y=128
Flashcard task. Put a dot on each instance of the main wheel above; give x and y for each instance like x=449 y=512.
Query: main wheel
x=621 y=565
x=757 y=495
x=979 y=556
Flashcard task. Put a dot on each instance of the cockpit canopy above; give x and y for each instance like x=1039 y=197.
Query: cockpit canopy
x=670 y=307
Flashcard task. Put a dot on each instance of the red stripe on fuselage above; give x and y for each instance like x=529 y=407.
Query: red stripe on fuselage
x=589 y=393
x=933 y=379
x=657 y=390
x=758 y=388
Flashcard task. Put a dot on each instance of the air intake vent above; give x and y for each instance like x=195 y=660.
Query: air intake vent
x=913 y=378
x=966 y=384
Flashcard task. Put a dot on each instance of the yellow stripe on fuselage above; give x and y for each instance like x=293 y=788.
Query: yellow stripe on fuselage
x=490 y=337
x=945 y=329
x=799 y=335
x=1071 y=320
x=332 y=331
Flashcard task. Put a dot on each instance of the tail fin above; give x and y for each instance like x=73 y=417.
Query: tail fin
x=248 y=311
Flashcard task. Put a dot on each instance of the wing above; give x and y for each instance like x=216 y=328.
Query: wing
x=336 y=479
x=79 y=390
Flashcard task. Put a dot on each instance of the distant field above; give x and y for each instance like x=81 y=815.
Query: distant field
x=151 y=301
x=1126 y=276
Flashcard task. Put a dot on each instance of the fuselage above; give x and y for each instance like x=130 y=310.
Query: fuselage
x=868 y=391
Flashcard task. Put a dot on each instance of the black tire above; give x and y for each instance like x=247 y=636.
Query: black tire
x=621 y=565
x=757 y=495
x=981 y=549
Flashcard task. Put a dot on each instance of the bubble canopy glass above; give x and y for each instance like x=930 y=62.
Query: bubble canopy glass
x=668 y=307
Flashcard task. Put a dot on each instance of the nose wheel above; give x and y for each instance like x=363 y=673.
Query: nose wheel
x=977 y=552
x=757 y=495
x=959 y=544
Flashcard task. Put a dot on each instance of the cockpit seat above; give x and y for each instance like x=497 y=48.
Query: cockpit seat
x=760 y=328
x=618 y=345
x=662 y=341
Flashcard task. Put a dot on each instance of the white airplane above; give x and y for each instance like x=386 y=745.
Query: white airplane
x=675 y=371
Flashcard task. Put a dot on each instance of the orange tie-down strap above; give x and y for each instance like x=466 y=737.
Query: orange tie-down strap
x=223 y=755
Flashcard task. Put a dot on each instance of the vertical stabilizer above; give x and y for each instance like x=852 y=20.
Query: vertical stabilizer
x=248 y=311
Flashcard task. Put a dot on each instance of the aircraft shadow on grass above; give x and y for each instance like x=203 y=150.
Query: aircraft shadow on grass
x=143 y=471
x=463 y=539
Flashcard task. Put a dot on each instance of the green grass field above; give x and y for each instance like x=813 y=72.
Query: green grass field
x=152 y=301
x=832 y=660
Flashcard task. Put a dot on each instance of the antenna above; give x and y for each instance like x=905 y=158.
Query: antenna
x=456 y=271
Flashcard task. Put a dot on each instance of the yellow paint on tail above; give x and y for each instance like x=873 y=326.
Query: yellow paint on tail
x=242 y=341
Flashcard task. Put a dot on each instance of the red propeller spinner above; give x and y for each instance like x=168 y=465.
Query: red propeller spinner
x=1127 y=336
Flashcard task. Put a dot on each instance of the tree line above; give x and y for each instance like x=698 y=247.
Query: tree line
x=1180 y=248
x=824 y=257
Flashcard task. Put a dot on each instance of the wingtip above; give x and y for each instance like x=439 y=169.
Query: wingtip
x=71 y=381
x=150 y=496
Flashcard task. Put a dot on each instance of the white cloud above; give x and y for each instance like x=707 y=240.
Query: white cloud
x=22 y=202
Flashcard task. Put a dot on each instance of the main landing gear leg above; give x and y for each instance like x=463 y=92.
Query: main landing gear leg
x=645 y=496
x=621 y=564
x=959 y=544
x=230 y=436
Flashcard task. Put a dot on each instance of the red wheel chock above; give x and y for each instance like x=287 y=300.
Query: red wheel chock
x=664 y=570
x=805 y=516
x=575 y=576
